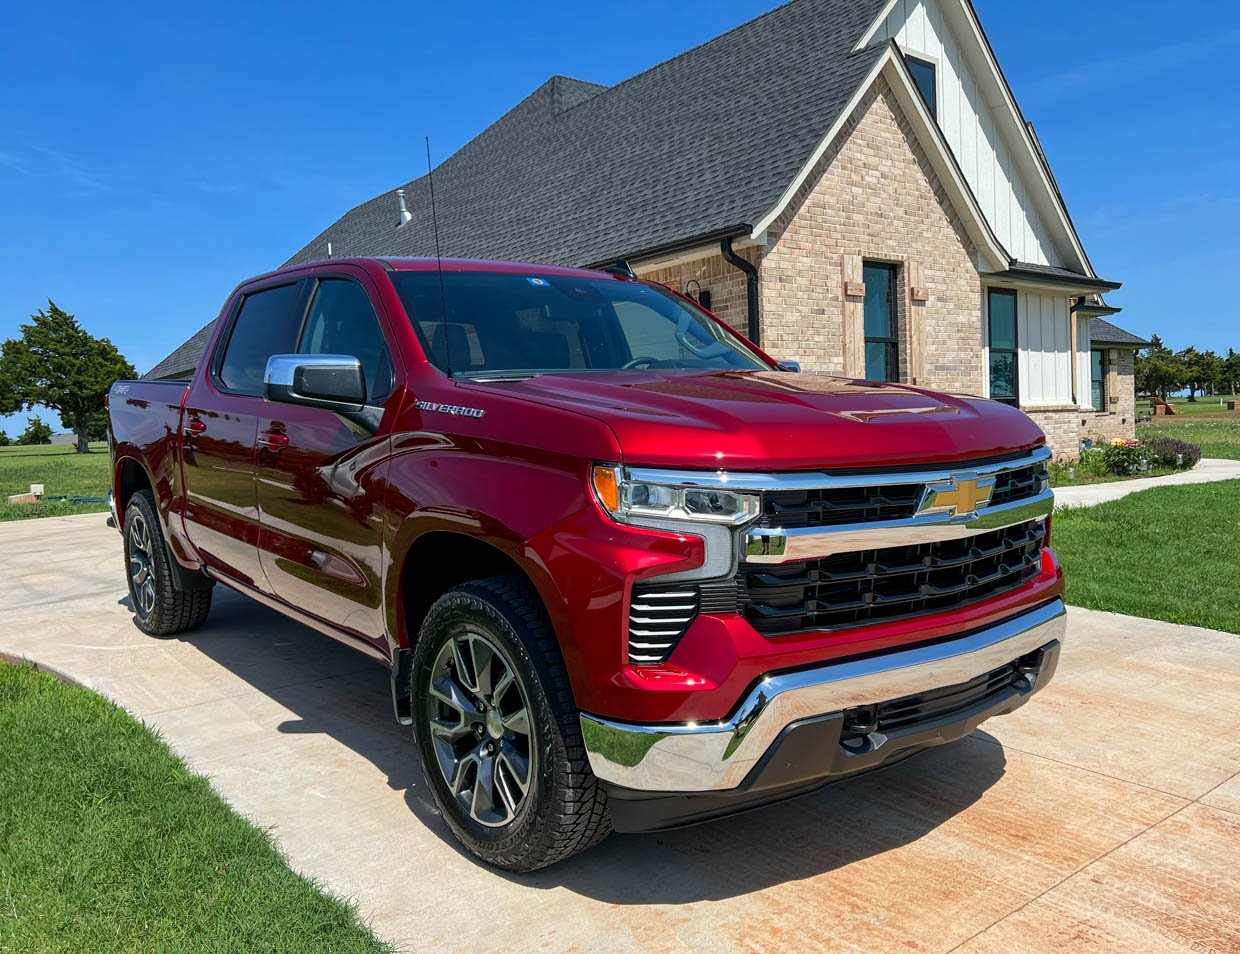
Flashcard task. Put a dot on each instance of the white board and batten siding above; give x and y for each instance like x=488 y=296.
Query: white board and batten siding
x=918 y=26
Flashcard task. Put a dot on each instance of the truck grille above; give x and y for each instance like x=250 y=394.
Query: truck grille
x=658 y=617
x=842 y=506
x=852 y=589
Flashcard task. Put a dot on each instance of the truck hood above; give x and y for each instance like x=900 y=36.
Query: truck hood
x=777 y=420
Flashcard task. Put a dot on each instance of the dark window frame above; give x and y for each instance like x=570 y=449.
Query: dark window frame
x=1102 y=378
x=931 y=100
x=308 y=286
x=1014 y=351
x=892 y=342
x=300 y=302
x=307 y=303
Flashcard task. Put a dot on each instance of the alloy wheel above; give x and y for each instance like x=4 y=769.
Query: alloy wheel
x=141 y=563
x=480 y=729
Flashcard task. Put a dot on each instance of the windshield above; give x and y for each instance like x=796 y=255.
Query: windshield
x=502 y=324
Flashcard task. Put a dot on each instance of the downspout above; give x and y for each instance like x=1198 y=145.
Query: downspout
x=751 y=287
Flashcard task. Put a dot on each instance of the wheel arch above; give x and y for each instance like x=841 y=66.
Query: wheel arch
x=433 y=562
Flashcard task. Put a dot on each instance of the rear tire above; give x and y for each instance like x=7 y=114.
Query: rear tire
x=498 y=732
x=158 y=606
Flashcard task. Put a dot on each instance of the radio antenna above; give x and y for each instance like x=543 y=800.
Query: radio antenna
x=443 y=297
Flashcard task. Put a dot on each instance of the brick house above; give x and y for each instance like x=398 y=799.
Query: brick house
x=849 y=182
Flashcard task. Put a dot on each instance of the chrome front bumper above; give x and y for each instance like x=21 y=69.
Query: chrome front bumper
x=717 y=756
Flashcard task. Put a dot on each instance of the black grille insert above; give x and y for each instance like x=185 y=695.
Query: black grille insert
x=853 y=589
x=837 y=506
x=911 y=711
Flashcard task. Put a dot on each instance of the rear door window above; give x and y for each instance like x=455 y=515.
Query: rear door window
x=266 y=324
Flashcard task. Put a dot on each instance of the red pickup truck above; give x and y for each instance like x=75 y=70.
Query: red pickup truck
x=628 y=572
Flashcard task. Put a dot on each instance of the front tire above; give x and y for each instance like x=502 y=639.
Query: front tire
x=497 y=730
x=158 y=606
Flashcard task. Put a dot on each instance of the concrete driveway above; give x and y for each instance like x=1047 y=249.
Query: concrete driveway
x=1105 y=815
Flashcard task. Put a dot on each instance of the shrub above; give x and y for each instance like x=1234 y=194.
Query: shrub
x=1169 y=452
x=5 y=441
x=1127 y=457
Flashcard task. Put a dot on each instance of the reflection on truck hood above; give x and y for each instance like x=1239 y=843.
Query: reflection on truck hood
x=773 y=420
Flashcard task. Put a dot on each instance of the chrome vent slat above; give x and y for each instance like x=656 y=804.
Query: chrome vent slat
x=658 y=617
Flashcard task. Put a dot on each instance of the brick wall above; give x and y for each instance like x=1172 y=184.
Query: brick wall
x=1120 y=418
x=1062 y=427
x=876 y=195
x=724 y=281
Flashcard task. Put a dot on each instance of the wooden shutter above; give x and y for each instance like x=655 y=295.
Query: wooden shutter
x=854 y=316
x=918 y=295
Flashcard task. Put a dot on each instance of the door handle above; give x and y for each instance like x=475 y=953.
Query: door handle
x=193 y=427
x=273 y=440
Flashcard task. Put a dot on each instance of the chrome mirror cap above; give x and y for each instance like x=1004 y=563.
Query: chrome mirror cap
x=334 y=382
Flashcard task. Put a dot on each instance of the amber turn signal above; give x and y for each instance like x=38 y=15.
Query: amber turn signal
x=607 y=487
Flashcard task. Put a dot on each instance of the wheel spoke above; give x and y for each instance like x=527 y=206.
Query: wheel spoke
x=457 y=782
x=447 y=691
x=502 y=683
x=518 y=722
x=503 y=788
x=515 y=766
x=484 y=660
x=464 y=668
x=484 y=790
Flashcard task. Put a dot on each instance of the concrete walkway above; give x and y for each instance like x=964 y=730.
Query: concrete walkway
x=1105 y=815
x=1208 y=470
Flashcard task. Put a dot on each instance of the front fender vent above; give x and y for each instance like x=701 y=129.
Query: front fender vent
x=659 y=614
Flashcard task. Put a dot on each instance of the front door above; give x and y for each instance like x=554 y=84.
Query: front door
x=218 y=433
x=321 y=476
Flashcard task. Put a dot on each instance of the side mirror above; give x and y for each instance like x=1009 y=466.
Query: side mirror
x=794 y=367
x=334 y=382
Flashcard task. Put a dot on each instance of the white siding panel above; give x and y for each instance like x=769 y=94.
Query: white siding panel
x=1083 y=370
x=1045 y=341
x=964 y=115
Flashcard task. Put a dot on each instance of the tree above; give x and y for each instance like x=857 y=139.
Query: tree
x=57 y=364
x=98 y=427
x=5 y=441
x=36 y=432
x=1159 y=370
x=1231 y=372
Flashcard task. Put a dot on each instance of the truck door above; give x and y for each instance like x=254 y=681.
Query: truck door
x=321 y=476
x=219 y=427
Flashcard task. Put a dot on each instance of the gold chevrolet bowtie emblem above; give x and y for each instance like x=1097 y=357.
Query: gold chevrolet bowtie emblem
x=958 y=497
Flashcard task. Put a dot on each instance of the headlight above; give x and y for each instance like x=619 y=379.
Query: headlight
x=631 y=500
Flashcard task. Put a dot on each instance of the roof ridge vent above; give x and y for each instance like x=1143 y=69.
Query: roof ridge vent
x=405 y=215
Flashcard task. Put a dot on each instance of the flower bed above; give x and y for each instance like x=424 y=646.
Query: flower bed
x=1122 y=459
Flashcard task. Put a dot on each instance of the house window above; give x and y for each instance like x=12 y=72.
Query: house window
x=882 y=361
x=924 y=76
x=1004 y=385
x=1098 y=380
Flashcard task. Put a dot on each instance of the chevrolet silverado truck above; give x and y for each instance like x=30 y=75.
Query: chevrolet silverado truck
x=628 y=572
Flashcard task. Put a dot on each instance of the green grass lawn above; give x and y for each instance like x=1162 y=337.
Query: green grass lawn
x=1203 y=405
x=1218 y=436
x=109 y=843
x=1169 y=553
x=62 y=473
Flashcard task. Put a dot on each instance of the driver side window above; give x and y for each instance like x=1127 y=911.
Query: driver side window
x=647 y=333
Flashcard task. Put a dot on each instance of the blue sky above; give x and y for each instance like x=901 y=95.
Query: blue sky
x=152 y=156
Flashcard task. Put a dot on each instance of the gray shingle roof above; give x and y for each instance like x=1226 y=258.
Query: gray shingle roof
x=181 y=363
x=580 y=174
x=1103 y=332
